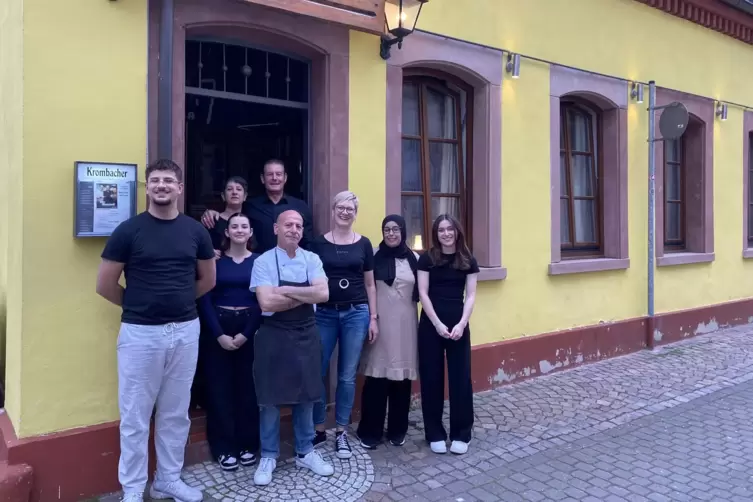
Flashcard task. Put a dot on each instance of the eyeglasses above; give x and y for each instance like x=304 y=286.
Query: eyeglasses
x=343 y=209
x=391 y=230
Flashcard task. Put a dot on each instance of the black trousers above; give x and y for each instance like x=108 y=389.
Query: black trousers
x=232 y=411
x=432 y=349
x=377 y=392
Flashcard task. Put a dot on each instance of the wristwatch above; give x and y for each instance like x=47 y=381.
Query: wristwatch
x=375 y=317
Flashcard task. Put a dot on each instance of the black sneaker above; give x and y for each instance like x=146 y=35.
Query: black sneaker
x=320 y=438
x=368 y=444
x=400 y=441
x=247 y=458
x=228 y=462
x=342 y=446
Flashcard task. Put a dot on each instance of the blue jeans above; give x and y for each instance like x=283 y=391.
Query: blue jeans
x=350 y=328
x=269 y=426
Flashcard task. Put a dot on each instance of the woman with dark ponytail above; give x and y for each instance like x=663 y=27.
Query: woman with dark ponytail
x=232 y=316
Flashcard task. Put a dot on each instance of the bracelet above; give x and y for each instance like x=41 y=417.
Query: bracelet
x=375 y=317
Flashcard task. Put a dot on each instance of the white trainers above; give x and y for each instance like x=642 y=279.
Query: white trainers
x=439 y=447
x=316 y=463
x=459 y=448
x=263 y=474
x=177 y=490
x=133 y=497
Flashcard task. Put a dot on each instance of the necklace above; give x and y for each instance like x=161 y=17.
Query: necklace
x=343 y=283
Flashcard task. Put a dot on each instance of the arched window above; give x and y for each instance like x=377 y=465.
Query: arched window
x=580 y=199
x=434 y=155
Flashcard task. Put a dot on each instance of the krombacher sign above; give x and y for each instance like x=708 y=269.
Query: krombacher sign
x=364 y=15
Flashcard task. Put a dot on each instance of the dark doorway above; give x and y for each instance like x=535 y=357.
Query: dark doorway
x=244 y=106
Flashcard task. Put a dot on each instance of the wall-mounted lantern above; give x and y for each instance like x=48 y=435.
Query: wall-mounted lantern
x=400 y=17
x=721 y=111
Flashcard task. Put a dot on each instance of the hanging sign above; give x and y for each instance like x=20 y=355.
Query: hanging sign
x=105 y=196
x=364 y=15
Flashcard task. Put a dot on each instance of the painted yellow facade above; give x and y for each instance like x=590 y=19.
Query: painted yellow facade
x=84 y=98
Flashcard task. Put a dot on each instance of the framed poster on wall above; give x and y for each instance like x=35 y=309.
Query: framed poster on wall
x=105 y=196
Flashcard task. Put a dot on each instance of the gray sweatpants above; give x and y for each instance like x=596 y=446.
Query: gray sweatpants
x=156 y=365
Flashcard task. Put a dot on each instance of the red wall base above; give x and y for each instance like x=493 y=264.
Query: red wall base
x=73 y=465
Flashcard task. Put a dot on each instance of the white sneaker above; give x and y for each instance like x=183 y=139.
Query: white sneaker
x=459 y=448
x=177 y=490
x=438 y=447
x=263 y=474
x=316 y=463
x=133 y=497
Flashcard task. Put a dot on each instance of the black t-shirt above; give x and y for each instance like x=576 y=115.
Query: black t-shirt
x=345 y=264
x=446 y=284
x=160 y=267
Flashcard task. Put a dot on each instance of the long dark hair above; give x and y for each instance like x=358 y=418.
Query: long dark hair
x=463 y=255
x=226 y=240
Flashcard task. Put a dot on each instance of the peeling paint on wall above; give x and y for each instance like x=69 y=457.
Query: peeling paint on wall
x=709 y=327
x=658 y=335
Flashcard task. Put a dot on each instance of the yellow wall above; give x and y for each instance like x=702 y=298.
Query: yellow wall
x=530 y=301
x=367 y=150
x=11 y=159
x=84 y=99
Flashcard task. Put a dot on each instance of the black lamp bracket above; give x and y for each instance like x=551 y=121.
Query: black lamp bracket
x=386 y=43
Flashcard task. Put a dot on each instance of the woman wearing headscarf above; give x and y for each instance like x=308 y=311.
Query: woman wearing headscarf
x=390 y=364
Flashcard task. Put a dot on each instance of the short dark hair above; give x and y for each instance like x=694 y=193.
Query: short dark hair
x=273 y=161
x=164 y=165
x=238 y=180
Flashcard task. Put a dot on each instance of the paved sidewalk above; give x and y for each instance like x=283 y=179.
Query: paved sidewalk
x=672 y=424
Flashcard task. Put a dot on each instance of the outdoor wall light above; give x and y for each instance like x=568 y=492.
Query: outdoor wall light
x=400 y=18
x=513 y=65
x=637 y=92
x=721 y=111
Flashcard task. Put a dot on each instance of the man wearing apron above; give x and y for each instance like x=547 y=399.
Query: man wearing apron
x=288 y=282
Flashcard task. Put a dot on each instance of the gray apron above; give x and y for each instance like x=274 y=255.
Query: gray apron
x=288 y=355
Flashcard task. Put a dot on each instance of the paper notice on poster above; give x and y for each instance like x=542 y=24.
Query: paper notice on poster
x=105 y=197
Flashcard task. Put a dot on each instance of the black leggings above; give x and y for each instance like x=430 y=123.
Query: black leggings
x=232 y=411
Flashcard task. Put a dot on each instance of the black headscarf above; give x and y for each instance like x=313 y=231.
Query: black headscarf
x=384 y=258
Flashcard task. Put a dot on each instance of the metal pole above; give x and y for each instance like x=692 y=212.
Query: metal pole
x=651 y=208
x=165 y=86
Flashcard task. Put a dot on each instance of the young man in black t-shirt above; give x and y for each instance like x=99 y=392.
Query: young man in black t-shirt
x=168 y=262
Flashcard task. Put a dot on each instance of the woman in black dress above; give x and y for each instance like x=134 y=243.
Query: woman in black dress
x=446 y=273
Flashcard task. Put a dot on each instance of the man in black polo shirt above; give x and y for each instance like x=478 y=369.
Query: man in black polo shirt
x=262 y=211
x=168 y=262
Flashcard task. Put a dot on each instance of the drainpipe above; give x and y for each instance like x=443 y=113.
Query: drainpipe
x=165 y=82
x=651 y=211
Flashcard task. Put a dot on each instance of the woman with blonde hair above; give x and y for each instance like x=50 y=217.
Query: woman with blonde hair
x=350 y=315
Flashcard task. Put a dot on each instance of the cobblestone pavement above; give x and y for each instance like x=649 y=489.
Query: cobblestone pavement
x=670 y=424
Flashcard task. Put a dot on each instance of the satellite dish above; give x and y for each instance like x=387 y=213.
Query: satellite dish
x=673 y=121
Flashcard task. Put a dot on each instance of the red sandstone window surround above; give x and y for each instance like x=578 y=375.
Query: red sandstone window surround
x=588 y=139
x=479 y=71
x=684 y=186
